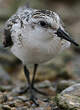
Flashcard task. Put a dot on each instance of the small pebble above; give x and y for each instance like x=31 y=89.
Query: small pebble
x=6 y=107
x=3 y=98
x=23 y=98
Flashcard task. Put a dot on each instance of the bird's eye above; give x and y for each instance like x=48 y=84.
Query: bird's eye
x=43 y=23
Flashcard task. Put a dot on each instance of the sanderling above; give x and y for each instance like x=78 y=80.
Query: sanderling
x=35 y=36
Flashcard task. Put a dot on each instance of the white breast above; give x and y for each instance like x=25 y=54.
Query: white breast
x=35 y=54
x=31 y=50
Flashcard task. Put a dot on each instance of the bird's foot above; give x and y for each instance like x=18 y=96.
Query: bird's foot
x=32 y=95
x=32 y=90
x=25 y=90
x=33 y=99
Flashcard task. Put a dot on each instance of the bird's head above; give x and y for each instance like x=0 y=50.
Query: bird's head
x=47 y=25
x=40 y=25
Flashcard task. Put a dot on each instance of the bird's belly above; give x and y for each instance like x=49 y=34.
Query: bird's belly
x=35 y=54
x=32 y=55
x=29 y=57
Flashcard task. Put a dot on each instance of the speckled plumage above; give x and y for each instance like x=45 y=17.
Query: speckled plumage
x=32 y=43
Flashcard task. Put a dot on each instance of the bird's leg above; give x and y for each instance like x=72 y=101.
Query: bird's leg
x=33 y=79
x=31 y=87
x=26 y=71
x=32 y=96
x=31 y=84
x=34 y=73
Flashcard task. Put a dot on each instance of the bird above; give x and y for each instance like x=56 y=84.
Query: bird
x=35 y=37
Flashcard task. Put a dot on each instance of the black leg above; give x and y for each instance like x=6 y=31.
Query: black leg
x=31 y=87
x=34 y=73
x=33 y=79
x=26 y=71
x=27 y=74
x=32 y=96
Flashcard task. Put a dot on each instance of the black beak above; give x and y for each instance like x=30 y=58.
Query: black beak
x=62 y=34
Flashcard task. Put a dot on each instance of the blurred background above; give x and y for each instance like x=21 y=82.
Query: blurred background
x=58 y=74
x=64 y=66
